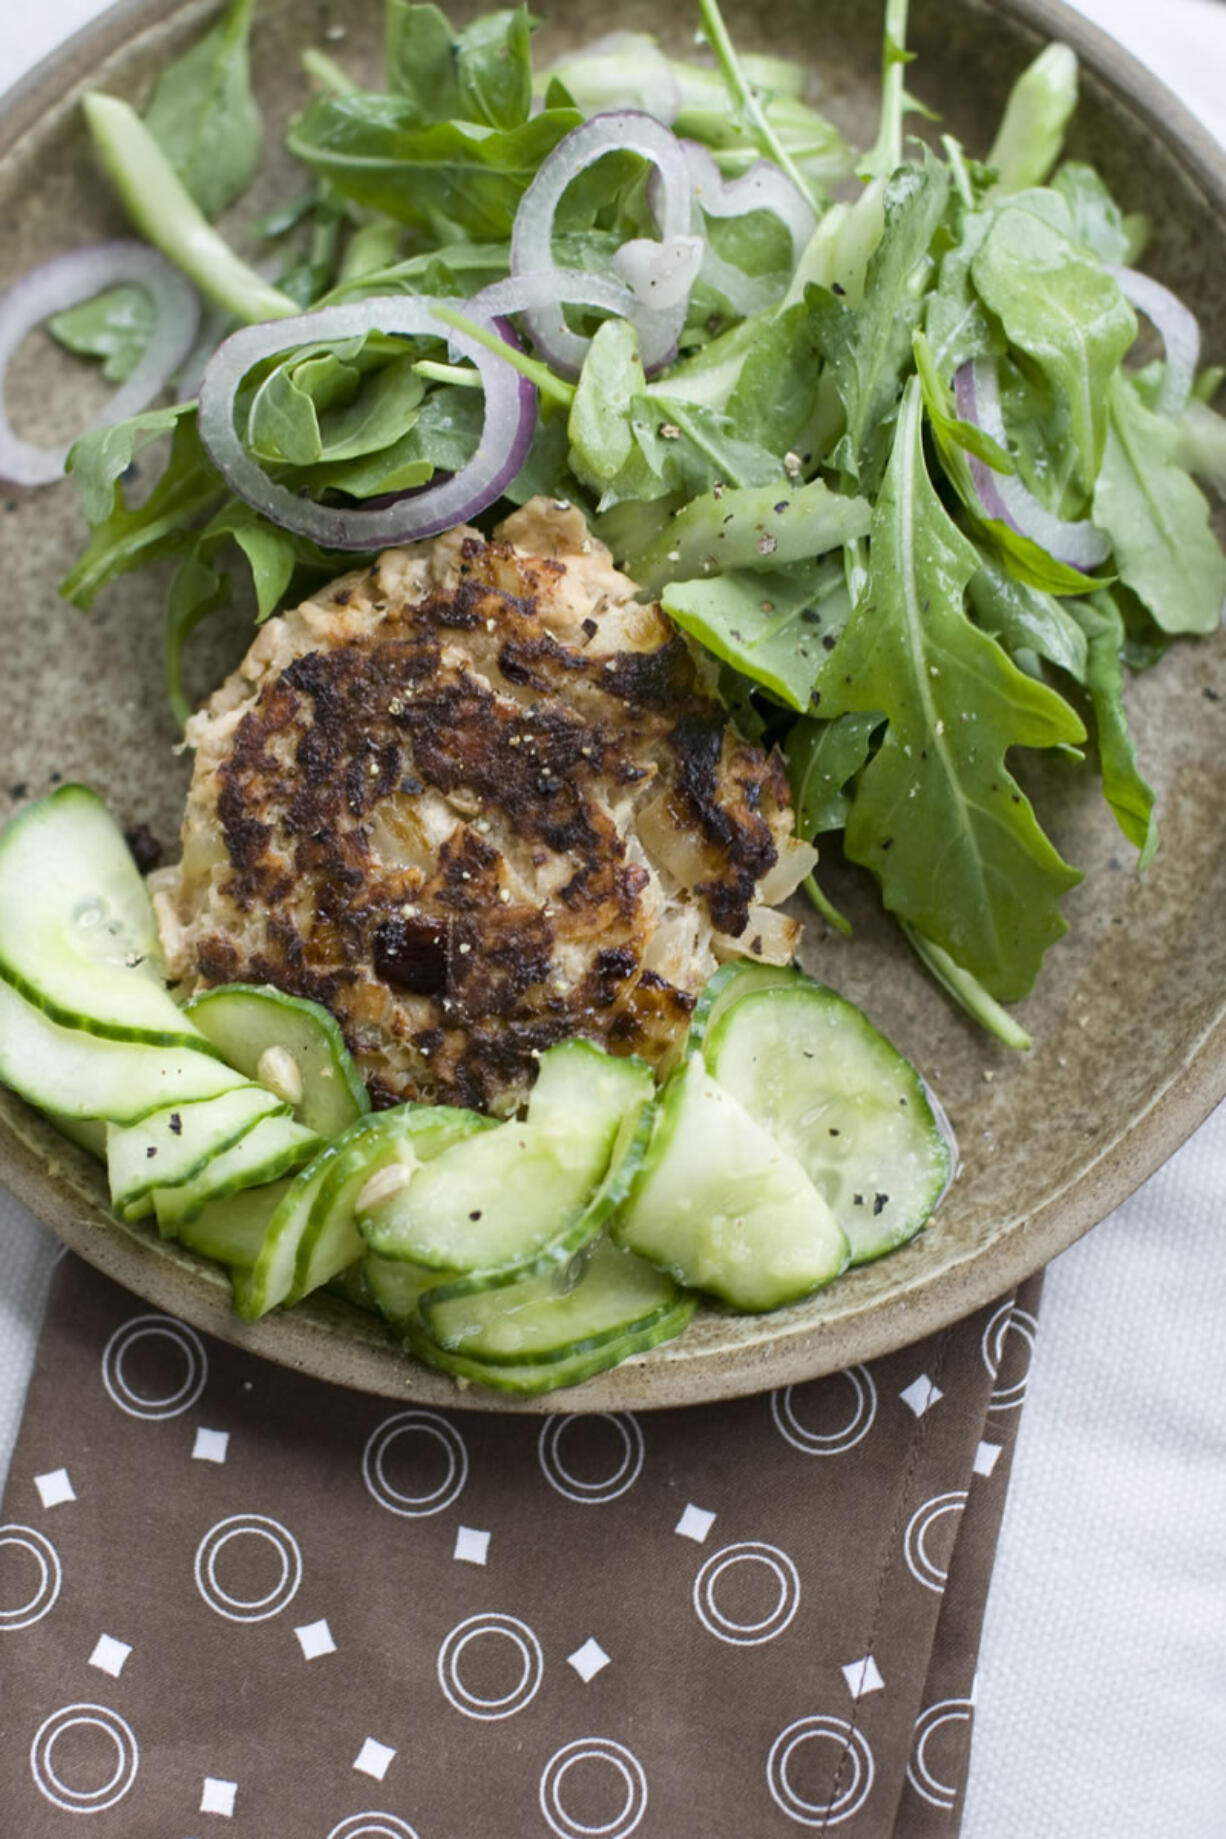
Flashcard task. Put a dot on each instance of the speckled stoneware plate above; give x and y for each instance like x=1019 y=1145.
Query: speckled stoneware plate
x=1130 y=1016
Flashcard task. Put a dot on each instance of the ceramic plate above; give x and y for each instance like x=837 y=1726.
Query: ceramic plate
x=1130 y=1016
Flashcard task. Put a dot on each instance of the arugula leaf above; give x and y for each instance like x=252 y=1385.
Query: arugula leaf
x=1098 y=222
x=773 y=626
x=114 y=326
x=936 y=814
x=776 y=393
x=823 y=758
x=204 y=116
x=1059 y=306
x=760 y=530
x=482 y=74
x=334 y=402
x=1157 y=519
x=546 y=472
x=125 y=537
x=1026 y=620
x=869 y=348
x=601 y=440
x=377 y=151
x=683 y=447
x=1127 y=793
x=958 y=325
x=204 y=585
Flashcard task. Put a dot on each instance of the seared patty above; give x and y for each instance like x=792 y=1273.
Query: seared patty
x=475 y=800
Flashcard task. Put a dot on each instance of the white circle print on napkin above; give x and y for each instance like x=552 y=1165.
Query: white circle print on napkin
x=373 y=1826
x=415 y=1436
x=251 y=1530
x=782 y=1578
x=157 y=1332
x=494 y=1632
x=50 y=1769
x=617 y=1776
x=853 y=1771
x=626 y=1466
x=32 y=1608
x=794 y=1421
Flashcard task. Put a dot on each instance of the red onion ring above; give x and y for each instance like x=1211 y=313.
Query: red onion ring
x=765 y=187
x=623 y=131
x=1177 y=327
x=528 y=293
x=66 y=281
x=660 y=274
x=1003 y=496
x=510 y=422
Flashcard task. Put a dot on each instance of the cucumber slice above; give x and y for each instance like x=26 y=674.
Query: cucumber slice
x=580 y=1086
x=274 y=1147
x=551 y=1375
x=293 y=1046
x=351 y=1286
x=88 y=1134
x=836 y=1095
x=329 y=1239
x=77 y=933
x=629 y=1150
x=232 y=1229
x=515 y=1195
x=80 y=1075
x=723 y=1207
x=728 y=985
x=602 y=1293
x=173 y=1145
x=397 y=1287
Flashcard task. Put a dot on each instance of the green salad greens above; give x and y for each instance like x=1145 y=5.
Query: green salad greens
x=902 y=471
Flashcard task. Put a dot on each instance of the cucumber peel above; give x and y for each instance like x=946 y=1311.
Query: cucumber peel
x=261 y=1031
x=77 y=934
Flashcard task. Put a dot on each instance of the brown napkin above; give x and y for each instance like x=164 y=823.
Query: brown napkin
x=237 y=1601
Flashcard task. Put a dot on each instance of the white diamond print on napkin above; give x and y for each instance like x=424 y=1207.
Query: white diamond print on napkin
x=471 y=1545
x=986 y=1457
x=54 y=1488
x=218 y=1797
x=109 y=1655
x=695 y=1523
x=920 y=1395
x=315 y=1638
x=374 y=1759
x=210 y=1445
x=588 y=1660
x=862 y=1676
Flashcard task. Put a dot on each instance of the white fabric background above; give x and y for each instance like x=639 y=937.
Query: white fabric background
x=1101 y=1701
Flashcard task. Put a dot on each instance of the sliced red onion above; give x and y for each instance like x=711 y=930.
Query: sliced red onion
x=661 y=274
x=624 y=131
x=1003 y=495
x=510 y=422
x=765 y=187
x=531 y=293
x=1177 y=327
x=66 y=281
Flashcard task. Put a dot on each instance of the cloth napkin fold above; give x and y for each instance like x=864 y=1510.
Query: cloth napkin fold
x=232 y=1593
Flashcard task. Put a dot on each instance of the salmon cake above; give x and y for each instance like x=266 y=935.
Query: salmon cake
x=476 y=799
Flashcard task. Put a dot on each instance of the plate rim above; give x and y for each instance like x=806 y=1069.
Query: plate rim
x=317 y=1338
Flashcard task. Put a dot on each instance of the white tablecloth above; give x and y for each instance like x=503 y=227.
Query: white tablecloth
x=1101 y=1700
